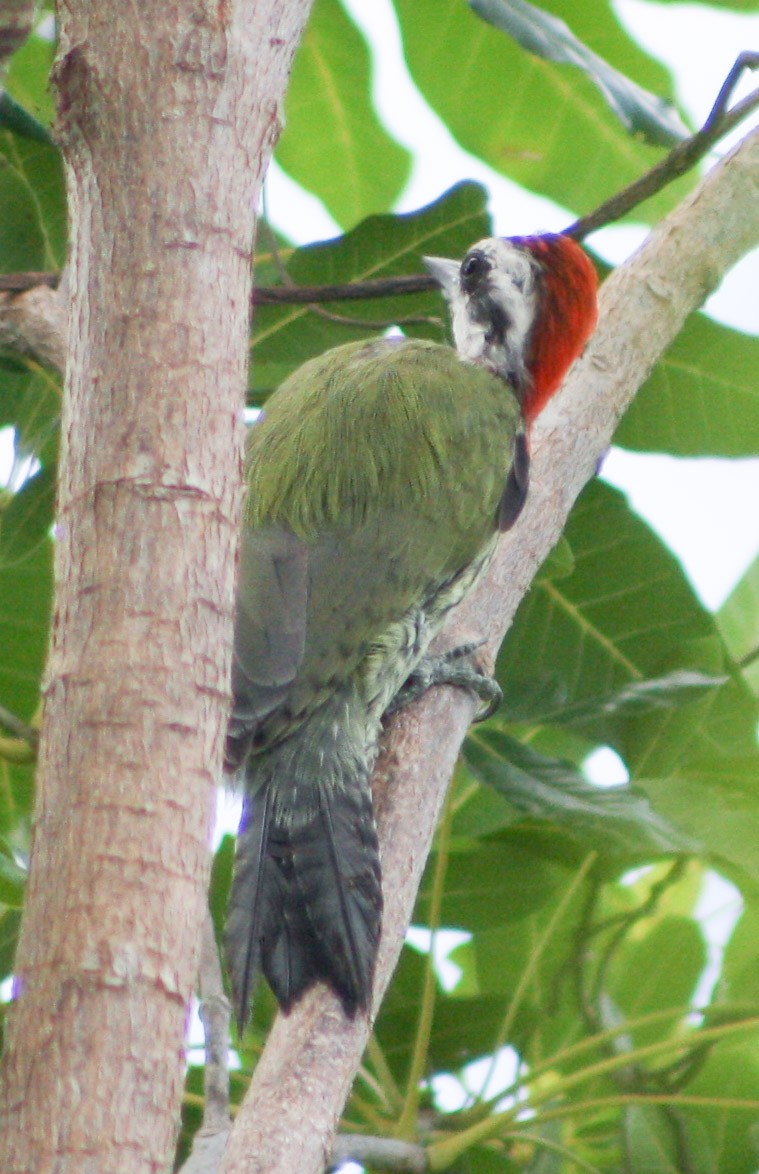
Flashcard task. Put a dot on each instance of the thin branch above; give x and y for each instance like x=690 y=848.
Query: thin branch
x=19 y=282
x=20 y=729
x=681 y=159
x=215 y=1012
x=33 y=322
x=214 y=1009
x=16 y=22
x=380 y=1153
x=306 y=1069
x=749 y=659
x=407 y=1124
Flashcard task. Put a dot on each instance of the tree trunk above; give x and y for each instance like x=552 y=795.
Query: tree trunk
x=168 y=114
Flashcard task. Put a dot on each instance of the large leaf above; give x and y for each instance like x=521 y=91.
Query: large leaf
x=739 y=979
x=333 y=143
x=738 y=620
x=633 y=700
x=25 y=597
x=32 y=197
x=28 y=80
x=625 y=615
x=30 y=402
x=657 y=970
x=714 y=798
x=618 y=822
x=28 y=518
x=12 y=878
x=702 y=398
x=543 y=34
x=731 y=1072
x=457 y=1038
x=382 y=246
x=15 y=118
x=506 y=878
x=656 y=1142
x=544 y=126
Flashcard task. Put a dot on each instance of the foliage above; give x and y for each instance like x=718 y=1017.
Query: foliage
x=583 y=965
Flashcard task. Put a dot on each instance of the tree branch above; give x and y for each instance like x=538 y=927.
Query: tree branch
x=166 y=146
x=720 y=121
x=680 y=159
x=307 y=1067
x=380 y=1153
x=210 y=1140
x=33 y=323
x=16 y=21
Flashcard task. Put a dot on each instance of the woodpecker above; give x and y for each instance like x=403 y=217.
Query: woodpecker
x=378 y=479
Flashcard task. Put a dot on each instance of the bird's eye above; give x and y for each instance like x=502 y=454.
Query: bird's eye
x=474 y=267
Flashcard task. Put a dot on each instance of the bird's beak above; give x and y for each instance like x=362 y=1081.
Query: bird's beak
x=444 y=272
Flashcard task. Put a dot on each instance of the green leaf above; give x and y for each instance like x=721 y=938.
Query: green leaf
x=29 y=517
x=13 y=117
x=10 y=923
x=739 y=980
x=504 y=880
x=12 y=878
x=655 y=1142
x=658 y=971
x=639 y=697
x=333 y=143
x=524 y=962
x=30 y=402
x=16 y=802
x=702 y=398
x=25 y=602
x=738 y=620
x=457 y=1038
x=731 y=1073
x=382 y=246
x=713 y=798
x=544 y=126
x=618 y=822
x=537 y=31
x=626 y=615
x=610 y=634
x=28 y=80
x=32 y=196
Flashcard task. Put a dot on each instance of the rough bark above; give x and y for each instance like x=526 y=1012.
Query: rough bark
x=167 y=117
x=303 y=1077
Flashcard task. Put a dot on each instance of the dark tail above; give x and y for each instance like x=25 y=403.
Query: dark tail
x=306 y=900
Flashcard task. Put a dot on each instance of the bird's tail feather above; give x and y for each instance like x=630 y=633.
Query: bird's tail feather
x=306 y=899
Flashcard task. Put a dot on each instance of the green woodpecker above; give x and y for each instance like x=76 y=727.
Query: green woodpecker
x=379 y=476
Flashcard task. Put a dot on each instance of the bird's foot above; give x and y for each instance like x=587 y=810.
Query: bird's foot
x=448 y=668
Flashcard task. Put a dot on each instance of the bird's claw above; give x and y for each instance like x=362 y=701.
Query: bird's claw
x=445 y=668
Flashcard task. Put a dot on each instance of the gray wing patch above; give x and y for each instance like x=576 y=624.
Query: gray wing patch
x=270 y=630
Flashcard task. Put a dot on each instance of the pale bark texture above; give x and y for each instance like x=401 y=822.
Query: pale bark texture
x=168 y=113
x=306 y=1070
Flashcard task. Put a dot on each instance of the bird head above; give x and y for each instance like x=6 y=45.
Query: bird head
x=523 y=307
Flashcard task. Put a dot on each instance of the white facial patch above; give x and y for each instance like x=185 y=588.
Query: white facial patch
x=492 y=313
x=511 y=285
